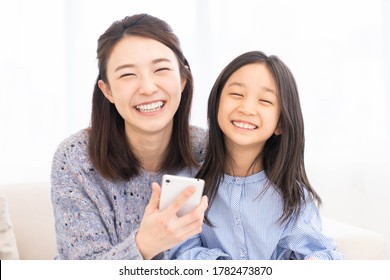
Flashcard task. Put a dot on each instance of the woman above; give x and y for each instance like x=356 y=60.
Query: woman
x=105 y=204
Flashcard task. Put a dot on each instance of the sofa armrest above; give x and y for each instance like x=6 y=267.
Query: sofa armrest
x=356 y=243
x=32 y=218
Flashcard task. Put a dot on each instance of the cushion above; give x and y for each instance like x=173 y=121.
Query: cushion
x=8 y=247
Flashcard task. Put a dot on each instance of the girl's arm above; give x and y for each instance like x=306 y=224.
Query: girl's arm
x=303 y=238
x=193 y=249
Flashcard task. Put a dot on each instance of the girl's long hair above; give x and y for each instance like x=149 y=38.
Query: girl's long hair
x=282 y=156
x=109 y=150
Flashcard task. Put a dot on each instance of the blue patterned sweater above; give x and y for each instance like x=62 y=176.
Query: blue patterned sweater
x=96 y=218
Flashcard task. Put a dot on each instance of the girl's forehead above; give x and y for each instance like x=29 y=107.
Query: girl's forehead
x=252 y=75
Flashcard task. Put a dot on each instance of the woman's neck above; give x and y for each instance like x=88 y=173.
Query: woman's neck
x=149 y=147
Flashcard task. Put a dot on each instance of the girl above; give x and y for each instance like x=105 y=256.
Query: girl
x=262 y=205
x=104 y=205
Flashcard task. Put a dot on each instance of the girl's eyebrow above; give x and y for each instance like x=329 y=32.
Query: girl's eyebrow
x=236 y=84
x=158 y=60
x=269 y=90
x=243 y=85
x=154 y=61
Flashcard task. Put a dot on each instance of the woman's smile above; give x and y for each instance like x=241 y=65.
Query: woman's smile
x=150 y=107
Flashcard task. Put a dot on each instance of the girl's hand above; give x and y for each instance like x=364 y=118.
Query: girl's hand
x=161 y=230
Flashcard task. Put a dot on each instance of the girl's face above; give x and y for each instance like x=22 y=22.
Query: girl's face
x=144 y=83
x=249 y=108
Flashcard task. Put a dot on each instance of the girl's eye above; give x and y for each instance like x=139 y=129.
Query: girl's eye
x=265 y=101
x=236 y=94
x=162 y=69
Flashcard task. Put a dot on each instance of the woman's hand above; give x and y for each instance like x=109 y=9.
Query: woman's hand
x=161 y=230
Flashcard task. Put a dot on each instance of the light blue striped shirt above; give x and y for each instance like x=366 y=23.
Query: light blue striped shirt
x=246 y=226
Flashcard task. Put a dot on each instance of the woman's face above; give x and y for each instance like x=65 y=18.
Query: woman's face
x=249 y=108
x=144 y=84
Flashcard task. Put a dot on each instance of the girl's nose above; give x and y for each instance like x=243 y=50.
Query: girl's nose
x=247 y=107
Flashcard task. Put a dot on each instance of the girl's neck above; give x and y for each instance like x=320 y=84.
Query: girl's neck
x=149 y=147
x=244 y=161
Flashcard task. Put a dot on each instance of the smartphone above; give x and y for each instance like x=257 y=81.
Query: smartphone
x=173 y=185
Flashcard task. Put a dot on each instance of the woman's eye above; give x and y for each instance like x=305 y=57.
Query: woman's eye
x=126 y=74
x=236 y=94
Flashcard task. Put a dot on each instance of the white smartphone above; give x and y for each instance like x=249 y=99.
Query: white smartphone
x=172 y=186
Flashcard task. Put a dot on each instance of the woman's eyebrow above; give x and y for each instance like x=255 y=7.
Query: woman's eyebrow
x=154 y=61
x=120 y=67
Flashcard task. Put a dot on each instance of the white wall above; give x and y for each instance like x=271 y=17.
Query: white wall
x=337 y=50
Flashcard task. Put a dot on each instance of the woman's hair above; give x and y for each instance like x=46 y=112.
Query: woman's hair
x=109 y=150
x=282 y=156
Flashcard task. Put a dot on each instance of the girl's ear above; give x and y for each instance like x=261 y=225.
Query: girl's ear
x=278 y=131
x=105 y=88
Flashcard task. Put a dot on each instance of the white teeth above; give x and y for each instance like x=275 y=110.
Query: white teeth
x=152 y=107
x=244 y=125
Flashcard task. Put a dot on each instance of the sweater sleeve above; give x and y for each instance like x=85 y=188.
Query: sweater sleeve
x=199 y=139
x=84 y=219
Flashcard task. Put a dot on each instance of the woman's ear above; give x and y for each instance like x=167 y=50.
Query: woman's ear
x=183 y=84
x=184 y=80
x=105 y=88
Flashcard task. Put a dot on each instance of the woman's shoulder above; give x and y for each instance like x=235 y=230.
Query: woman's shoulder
x=78 y=138
x=198 y=129
x=199 y=139
x=74 y=146
x=199 y=135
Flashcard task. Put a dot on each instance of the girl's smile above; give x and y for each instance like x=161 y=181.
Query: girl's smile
x=244 y=125
x=249 y=108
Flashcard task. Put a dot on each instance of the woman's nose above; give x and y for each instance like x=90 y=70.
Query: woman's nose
x=147 y=85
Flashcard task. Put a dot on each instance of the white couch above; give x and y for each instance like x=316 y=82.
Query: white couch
x=32 y=218
x=31 y=215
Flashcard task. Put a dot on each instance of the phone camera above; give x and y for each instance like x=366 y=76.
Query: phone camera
x=168 y=181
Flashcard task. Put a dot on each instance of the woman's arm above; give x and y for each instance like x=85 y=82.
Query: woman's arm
x=161 y=230
x=84 y=220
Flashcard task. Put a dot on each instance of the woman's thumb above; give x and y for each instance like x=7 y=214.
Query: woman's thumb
x=154 y=198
